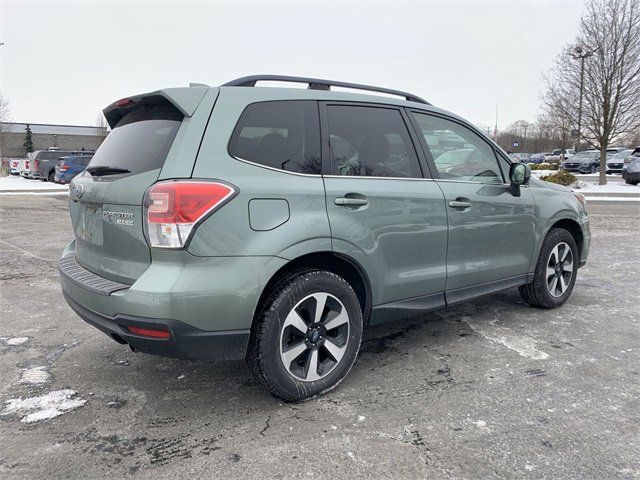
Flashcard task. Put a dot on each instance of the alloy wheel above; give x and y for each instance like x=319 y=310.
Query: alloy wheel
x=559 y=269
x=314 y=337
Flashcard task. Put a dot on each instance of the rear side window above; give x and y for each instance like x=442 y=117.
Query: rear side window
x=282 y=135
x=371 y=142
x=140 y=141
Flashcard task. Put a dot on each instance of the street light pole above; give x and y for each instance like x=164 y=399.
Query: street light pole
x=581 y=55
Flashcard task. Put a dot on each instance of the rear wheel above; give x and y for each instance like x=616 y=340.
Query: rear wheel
x=52 y=177
x=307 y=335
x=555 y=273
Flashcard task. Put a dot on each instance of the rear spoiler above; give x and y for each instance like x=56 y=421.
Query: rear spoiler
x=185 y=99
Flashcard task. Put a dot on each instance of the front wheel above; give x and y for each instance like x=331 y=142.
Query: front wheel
x=307 y=335
x=555 y=273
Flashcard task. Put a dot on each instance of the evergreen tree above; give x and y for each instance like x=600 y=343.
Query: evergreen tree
x=28 y=140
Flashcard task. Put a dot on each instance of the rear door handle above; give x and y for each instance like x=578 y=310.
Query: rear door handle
x=351 y=201
x=460 y=204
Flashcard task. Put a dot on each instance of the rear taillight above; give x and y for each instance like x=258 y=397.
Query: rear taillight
x=173 y=209
x=627 y=160
x=63 y=168
x=36 y=164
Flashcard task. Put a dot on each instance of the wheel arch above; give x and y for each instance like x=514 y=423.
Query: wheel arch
x=574 y=228
x=340 y=264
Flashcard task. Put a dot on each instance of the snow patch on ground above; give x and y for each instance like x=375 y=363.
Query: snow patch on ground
x=35 y=376
x=43 y=407
x=612 y=186
x=13 y=182
x=522 y=345
x=15 y=341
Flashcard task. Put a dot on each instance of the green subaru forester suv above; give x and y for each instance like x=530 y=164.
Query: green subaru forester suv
x=274 y=224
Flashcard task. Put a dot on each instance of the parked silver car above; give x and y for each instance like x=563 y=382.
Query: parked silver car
x=615 y=162
x=631 y=169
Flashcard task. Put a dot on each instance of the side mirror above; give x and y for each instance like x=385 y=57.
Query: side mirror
x=519 y=174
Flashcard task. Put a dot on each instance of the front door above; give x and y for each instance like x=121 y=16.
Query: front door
x=491 y=231
x=382 y=211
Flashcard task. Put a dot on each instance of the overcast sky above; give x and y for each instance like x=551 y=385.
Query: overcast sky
x=63 y=62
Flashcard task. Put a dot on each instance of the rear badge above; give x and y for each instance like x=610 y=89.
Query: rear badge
x=121 y=218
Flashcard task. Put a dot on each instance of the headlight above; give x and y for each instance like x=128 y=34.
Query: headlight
x=581 y=199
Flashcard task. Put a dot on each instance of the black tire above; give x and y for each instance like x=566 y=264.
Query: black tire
x=537 y=293
x=264 y=356
x=632 y=182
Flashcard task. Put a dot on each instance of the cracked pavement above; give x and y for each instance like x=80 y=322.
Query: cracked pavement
x=487 y=389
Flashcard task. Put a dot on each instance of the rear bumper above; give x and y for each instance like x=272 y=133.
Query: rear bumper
x=185 y=341
x=627 y=175
x=207 y=303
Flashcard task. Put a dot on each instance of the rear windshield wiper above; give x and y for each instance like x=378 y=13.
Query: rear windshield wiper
x=104 y=170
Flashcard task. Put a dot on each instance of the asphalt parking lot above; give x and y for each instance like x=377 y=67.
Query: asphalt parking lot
x=489 y=389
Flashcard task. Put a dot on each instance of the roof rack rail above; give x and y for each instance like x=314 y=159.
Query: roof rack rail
x=319 y=84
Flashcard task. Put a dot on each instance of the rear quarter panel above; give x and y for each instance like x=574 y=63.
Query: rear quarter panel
x=228 y=232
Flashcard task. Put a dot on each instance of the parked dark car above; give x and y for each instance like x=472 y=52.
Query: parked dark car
x=44 y=162
x=70 y=166
x=631 y=169
x=582 y=162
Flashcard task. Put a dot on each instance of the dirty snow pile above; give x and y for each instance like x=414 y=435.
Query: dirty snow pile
x=44 y=407
x=14 y=342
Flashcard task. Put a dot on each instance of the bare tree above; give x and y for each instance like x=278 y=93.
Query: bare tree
x=101 y=125
x=595 y=83
x=5 y=115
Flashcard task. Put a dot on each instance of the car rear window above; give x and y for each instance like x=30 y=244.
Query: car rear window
x=284 y=135
x=52 y=155
x=140 y=141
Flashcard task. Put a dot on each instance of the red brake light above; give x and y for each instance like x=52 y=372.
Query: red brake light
x=63 y=168
x=150 y=332
x=36 y=164
x=124 y=102
x=173 y=209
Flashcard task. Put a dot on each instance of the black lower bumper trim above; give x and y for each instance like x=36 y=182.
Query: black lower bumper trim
x=186 y=341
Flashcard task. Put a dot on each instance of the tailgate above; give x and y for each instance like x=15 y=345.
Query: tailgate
x=106 y=200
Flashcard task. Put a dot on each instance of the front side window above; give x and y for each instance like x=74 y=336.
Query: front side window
x=458 y=152
x=370 y=142
x=284 y=135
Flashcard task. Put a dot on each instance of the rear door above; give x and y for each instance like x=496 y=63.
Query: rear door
x=107 y=198
x=382 y=210
x=491 y=231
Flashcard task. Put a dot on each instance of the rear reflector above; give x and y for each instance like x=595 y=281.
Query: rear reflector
x=149 y=332
x=173 y=209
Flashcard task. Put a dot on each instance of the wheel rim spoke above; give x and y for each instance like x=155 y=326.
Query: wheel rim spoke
x=553 y=286
x=295 y=320
x=321 y=301
x=292 y=353
x=338 y=320
x=550 y=272
x=563 y=286
x=566 y=252
x=312 y=367
x=568 y=267
x=554 y=255
x=334 y=350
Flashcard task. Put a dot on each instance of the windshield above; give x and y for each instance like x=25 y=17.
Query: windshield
x=622 y=155
x=139 y=142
